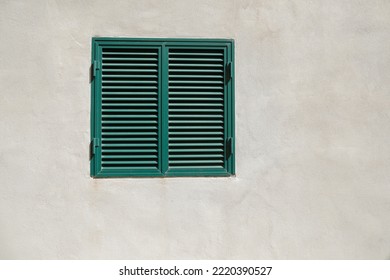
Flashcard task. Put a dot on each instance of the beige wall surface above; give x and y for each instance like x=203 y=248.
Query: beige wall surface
x=312 y=135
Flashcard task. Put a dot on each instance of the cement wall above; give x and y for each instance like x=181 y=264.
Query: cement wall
x=312 y=127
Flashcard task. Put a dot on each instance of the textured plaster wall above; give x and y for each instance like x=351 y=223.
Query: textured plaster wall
x=313 y=135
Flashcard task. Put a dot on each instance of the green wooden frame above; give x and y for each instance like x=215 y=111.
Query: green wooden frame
x=162 y=44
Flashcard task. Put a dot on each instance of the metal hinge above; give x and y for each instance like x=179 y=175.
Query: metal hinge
x=94 y=68
x=229 y=147
x=95 y=143
x=228 y=72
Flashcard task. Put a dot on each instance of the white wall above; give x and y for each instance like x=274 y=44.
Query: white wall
x=313 y=135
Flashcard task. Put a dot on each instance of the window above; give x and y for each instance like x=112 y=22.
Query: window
x=162 y=107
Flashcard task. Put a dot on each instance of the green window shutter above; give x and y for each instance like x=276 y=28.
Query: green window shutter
x=162 y=107
x=128 y=83
x=196 y=111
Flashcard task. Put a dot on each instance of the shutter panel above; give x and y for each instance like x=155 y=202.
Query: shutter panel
x=196 y=113
x=129 y=111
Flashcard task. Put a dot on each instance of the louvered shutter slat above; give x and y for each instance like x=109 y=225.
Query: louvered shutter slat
x=129 y=123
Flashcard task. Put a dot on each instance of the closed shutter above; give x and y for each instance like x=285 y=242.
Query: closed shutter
x=196 y=109
x=162 y=107
x=129 y=110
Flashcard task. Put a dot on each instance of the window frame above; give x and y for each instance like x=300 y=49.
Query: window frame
x=162 y=44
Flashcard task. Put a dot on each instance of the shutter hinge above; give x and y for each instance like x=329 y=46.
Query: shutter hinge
x=93 y=146
x=228 y=72
x=229 y=147
x=94 y=68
